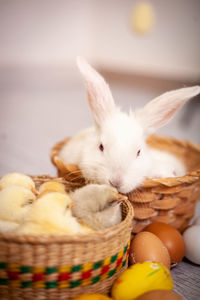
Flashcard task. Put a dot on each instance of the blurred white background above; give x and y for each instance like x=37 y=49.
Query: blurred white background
x=42 y=96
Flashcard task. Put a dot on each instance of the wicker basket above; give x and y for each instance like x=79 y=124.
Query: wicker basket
x=61 y=266
x=169 y=200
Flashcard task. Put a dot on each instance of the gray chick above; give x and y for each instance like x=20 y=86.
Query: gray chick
x=97 y=206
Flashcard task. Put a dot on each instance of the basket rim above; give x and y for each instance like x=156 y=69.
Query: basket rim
x=189 y=178
x=101 y=235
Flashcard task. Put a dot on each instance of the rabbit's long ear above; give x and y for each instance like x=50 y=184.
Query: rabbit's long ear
x=159 y=111
x=99 y=95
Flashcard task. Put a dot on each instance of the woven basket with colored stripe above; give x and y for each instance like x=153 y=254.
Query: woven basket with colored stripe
x=63 y=266
x=169 y=200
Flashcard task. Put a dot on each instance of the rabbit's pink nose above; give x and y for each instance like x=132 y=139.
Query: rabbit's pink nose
x=116 y=183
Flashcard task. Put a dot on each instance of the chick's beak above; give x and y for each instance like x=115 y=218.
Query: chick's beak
x=118 y=198
x=71 y=205
x=34 y=191
x=121 y=198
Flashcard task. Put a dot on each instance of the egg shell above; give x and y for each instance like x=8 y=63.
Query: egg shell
x=192 y=243
x=146 y=246
x=171 y=238
x=141 y=278
x=160 y=294
x=197 y=221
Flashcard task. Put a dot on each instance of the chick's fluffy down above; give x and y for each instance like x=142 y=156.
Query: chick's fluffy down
x=97 y=206
x=52 y=187
x=14 y=205
x=17 y=179
x=51 y=214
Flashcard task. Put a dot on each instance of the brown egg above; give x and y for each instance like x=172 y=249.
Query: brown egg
x=160 y=294
x=146 y=246
x=171 y=238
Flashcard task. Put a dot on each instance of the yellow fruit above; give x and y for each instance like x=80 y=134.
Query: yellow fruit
x=141 y=278
x=92 y=297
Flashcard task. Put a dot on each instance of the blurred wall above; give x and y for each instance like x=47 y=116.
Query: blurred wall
x=170 y=49
x=54 y=32
x=43 y=31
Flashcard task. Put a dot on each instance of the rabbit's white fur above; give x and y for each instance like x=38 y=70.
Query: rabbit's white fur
x=122 y=136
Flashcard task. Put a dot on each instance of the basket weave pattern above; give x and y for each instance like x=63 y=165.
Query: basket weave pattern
x=169 y=200
x=66 y=276
x=63 y=266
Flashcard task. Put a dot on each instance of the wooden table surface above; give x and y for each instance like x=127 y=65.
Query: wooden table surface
x=33 y=117
x=186 y=278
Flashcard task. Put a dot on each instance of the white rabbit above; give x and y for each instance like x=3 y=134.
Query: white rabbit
x=114 y=151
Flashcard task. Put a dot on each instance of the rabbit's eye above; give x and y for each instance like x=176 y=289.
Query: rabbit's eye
x=138 y=153
x=101 y=147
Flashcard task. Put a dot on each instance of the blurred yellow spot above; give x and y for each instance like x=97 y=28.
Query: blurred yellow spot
x=142 y=17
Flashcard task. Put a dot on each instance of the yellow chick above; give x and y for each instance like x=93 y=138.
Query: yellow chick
x=51 y=214
x=14 y=205
x=17 y=179
x=97 y=206
x=52 y=186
